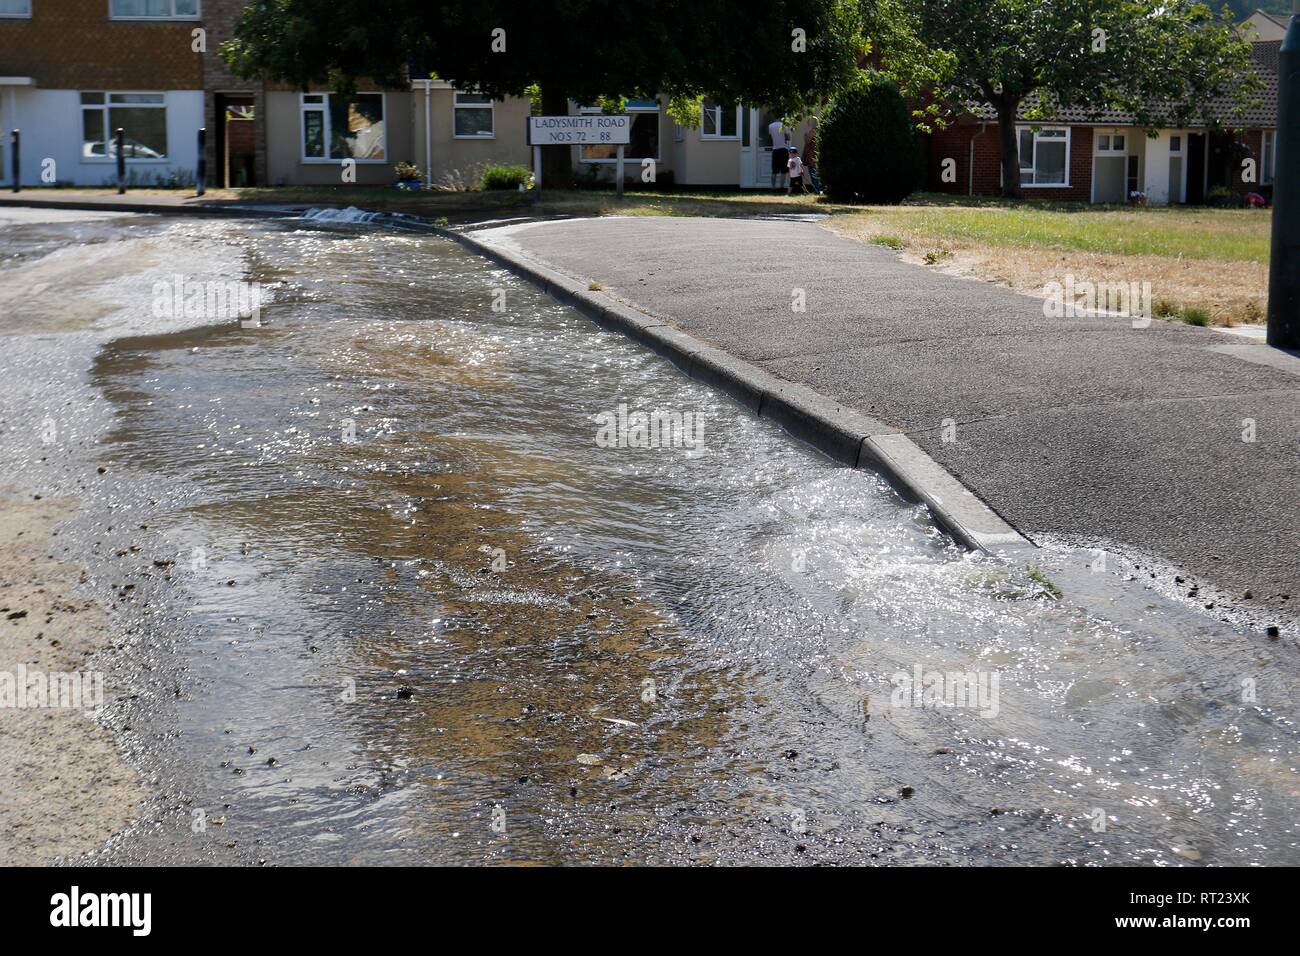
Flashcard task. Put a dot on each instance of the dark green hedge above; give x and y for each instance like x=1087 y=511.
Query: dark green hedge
x=867 y=149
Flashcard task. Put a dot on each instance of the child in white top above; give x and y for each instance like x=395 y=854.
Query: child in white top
x=795 y=169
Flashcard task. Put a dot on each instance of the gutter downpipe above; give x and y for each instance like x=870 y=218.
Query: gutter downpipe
x=970 y=166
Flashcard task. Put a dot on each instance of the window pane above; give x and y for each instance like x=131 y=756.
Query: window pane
x=145 y=8
x=357 y=127
x=144 y=131
x=728 y=120
x=719 y=118
x=1026 y=149
x=473 y=122
x=1175 y=144
x=1119 y=142
x=92 y=97
x=1052 y=134
x=92 y=135
x=1103 y=143
x=1050 y=165
x=136 y=98
x=313 y=133
x=644 y=145
x=710 y=127
x=187 y=8
x=22 y=8
x=645 y=137
x=472 y=99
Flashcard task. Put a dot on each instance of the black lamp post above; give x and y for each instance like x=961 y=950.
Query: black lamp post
x=1284 y=265
x=119 y=136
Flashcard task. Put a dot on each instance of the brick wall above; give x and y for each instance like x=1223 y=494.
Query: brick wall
x=955 y=143
x=73 y=45
x=220 y=17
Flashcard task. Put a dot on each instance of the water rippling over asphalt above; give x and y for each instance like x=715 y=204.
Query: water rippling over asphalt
x=635 y=654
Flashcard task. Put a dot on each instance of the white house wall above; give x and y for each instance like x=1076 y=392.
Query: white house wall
x=450 y=157
x=50 y=121
x=1156 y=168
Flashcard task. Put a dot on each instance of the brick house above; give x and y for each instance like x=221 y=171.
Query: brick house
x=72 y=71
x=1105 y=157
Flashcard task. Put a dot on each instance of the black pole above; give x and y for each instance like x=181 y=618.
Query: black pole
x=120 y=136
x=201 y=178
x=14 y=139
x=1284 y=264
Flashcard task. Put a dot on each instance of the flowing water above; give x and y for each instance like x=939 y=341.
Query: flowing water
x=403 y=606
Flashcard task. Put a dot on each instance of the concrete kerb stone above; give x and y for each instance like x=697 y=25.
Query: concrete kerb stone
x=955 y=507
x=747 y=385
x=822 y=422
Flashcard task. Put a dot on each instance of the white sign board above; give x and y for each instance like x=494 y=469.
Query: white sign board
x=592 y=129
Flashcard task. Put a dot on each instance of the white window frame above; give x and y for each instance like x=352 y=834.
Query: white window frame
x=324 y=107
x=490 y=106
x=717 y=123
x=18 y=16
x=1268 y=149
x=104 y=107
x=196 y=15
x=1037 y=131
x=657 y=109
x=1110 y=149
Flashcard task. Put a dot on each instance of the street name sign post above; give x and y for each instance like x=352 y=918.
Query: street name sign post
x=588 y=129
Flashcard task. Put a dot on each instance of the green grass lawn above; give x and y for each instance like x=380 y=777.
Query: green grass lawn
x=1206 y=266
x=1224 y=235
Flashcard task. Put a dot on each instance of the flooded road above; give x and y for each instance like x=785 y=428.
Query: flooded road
x=395 y=597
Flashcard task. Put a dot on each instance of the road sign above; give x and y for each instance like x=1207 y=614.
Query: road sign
x=591 y=129
x=587 y=129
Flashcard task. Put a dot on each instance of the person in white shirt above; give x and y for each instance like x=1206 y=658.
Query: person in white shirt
x=780 y=153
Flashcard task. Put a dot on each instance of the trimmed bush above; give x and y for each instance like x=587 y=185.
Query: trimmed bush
x=505 y=177
x=867 y=149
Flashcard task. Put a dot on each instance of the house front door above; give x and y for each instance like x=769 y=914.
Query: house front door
x=756 y=148
x=748 y=148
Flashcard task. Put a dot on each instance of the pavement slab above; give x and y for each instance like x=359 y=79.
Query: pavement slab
x=1084 y=429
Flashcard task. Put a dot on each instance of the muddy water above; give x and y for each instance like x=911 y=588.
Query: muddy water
x=418 y=614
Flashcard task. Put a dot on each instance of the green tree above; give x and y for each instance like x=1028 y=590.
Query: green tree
x=782 y=53
x=1160 y=60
